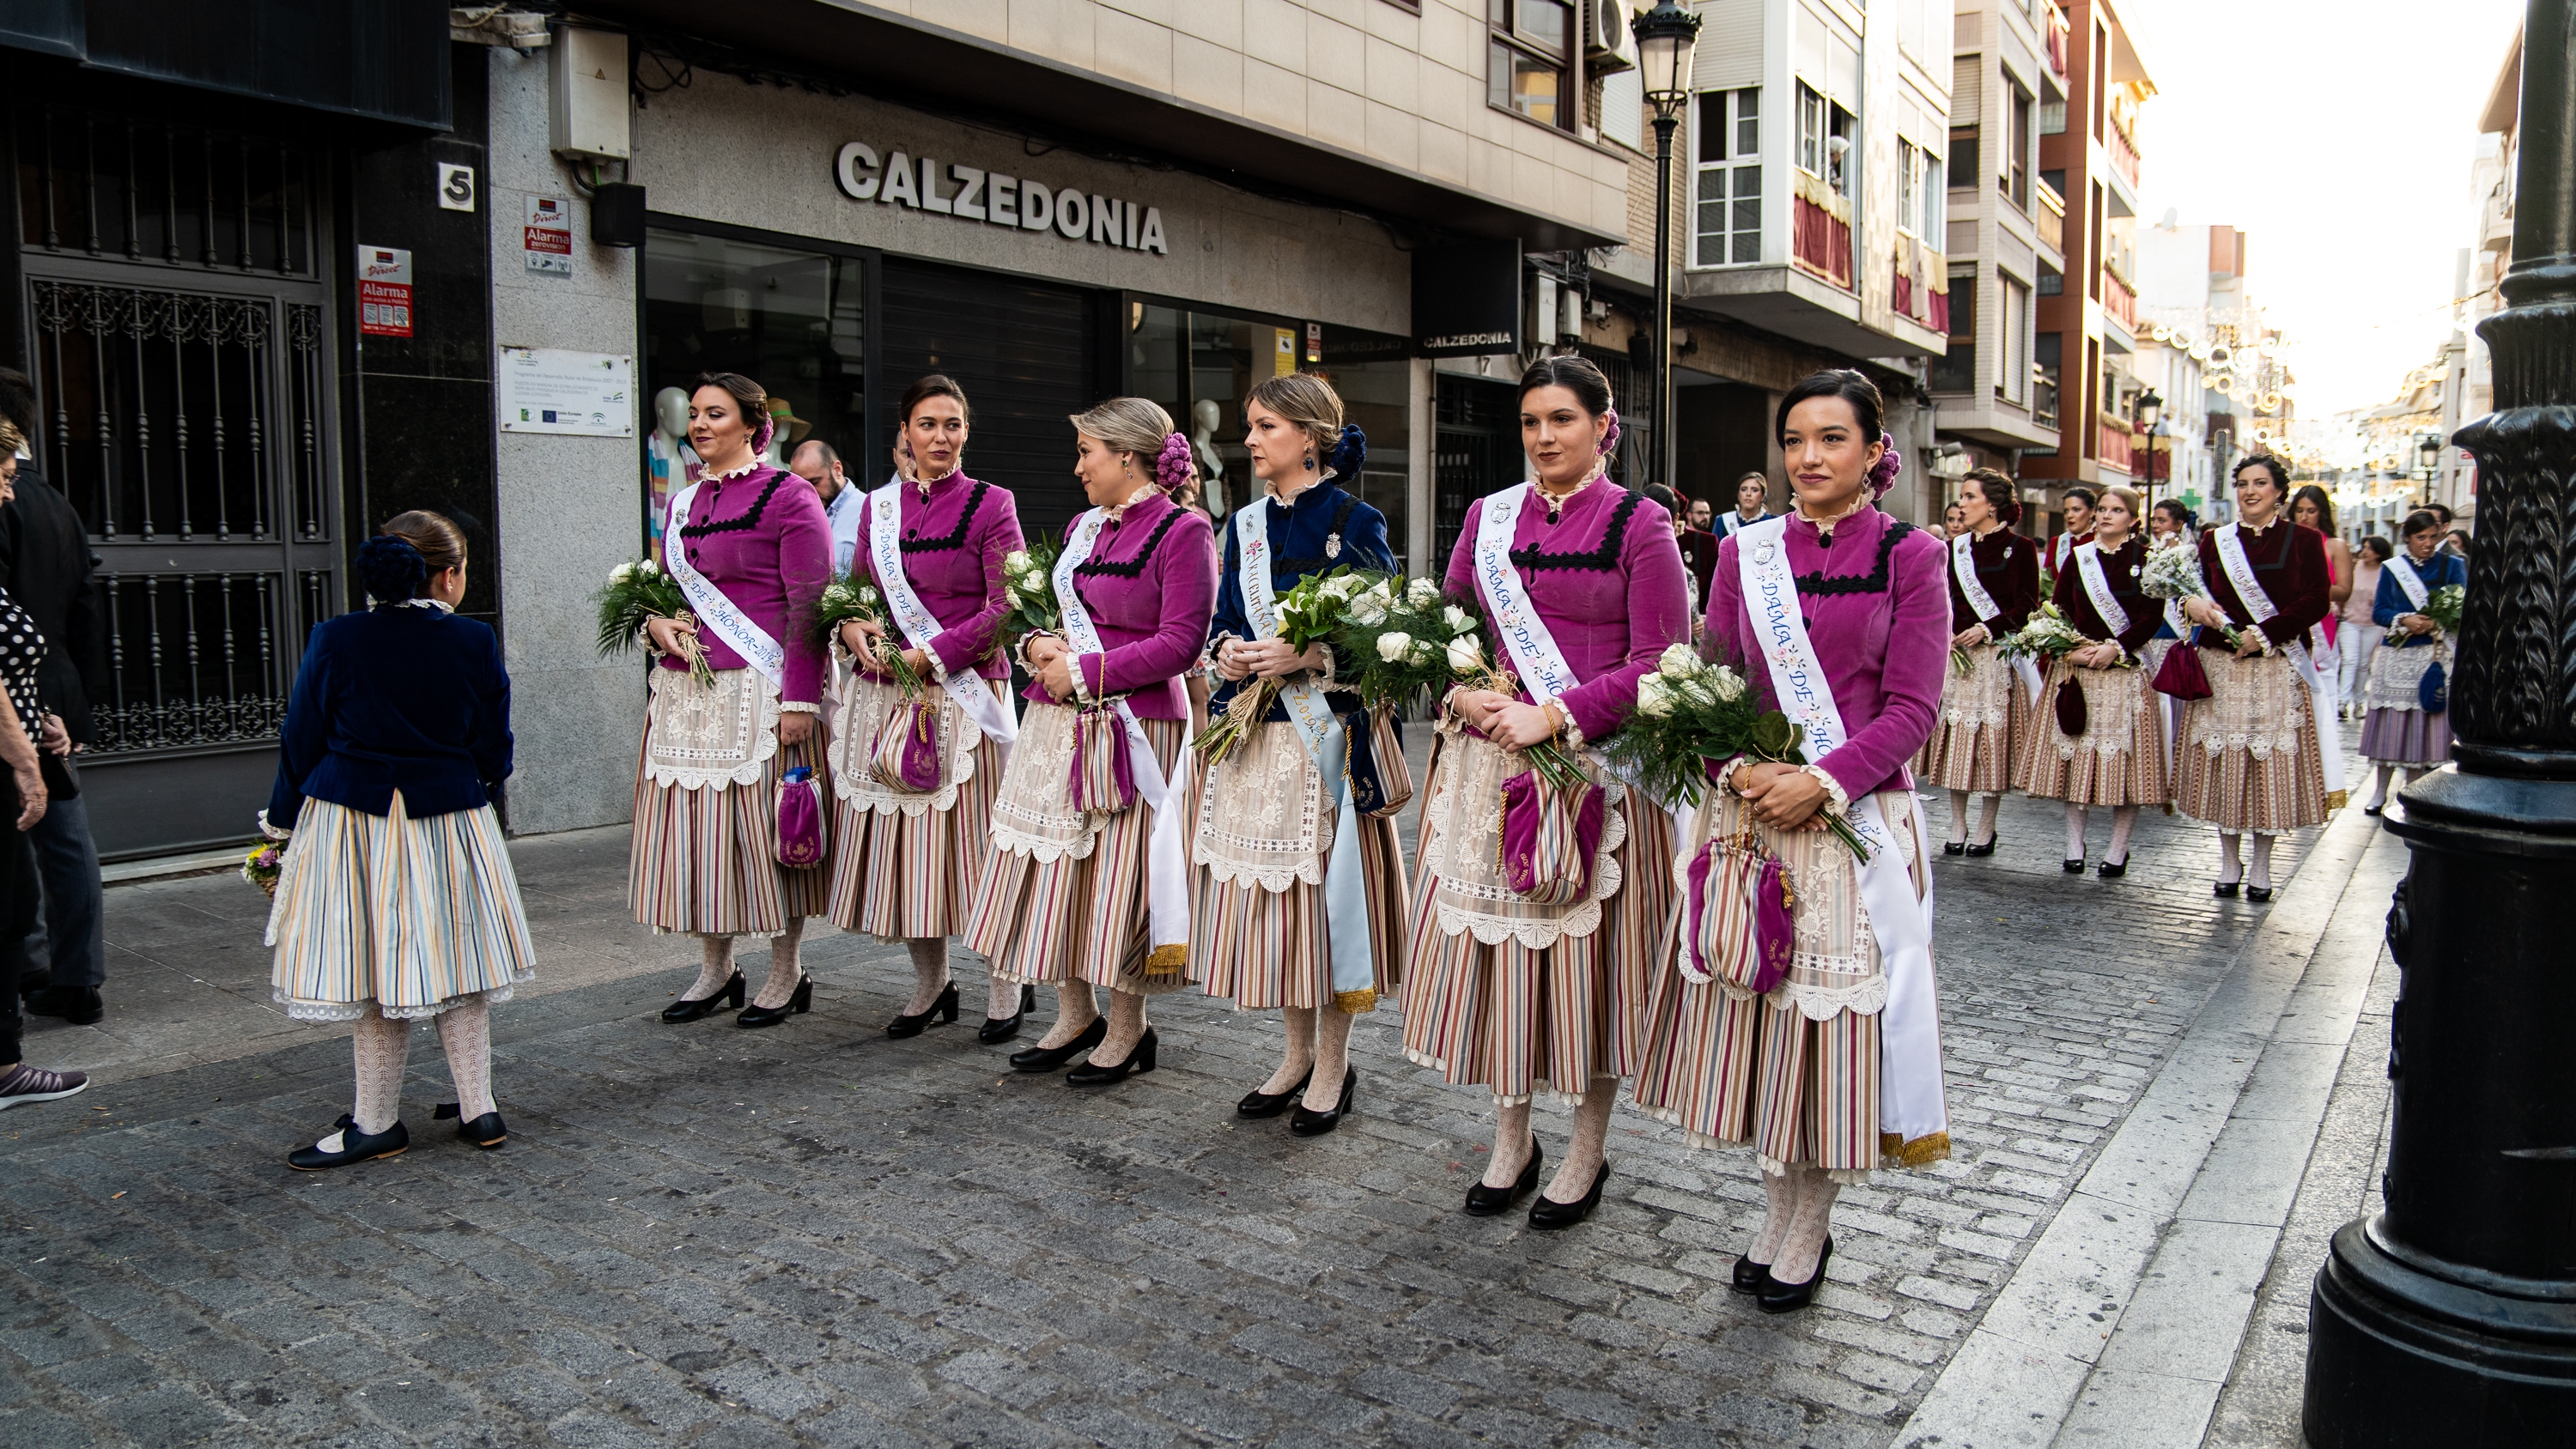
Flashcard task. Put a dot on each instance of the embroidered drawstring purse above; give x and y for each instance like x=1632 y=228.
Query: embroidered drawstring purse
x=1737 y=925
x=906 y=753
x=1550 y=834
x=1381 y=780
x=1102 y=778
x=800 y=819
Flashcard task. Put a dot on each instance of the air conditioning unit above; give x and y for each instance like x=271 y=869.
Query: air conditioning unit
x=1609 y=44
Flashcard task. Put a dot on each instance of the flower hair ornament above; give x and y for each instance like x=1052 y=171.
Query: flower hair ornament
x=1350 y=450
x=760 y=438
x=1891 y=462
x=1172 y=465
x=1610 y=435
x=391 y=568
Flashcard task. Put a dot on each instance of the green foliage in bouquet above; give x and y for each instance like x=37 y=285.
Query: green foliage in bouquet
x=2047 y=635
x=1309 y=614
x=2442 y=606
x=1028 y=585
x=637 y=593
x=1402 y=641
x=1691 y=713
x=849 y=598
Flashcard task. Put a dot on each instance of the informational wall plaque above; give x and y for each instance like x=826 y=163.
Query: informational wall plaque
x=552 y=390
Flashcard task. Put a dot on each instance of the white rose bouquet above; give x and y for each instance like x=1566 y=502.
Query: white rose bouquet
x=2173 y=572
x=1309 y=614
x=849 y=598
x=636 y=593
x=1401 y=640
x=1028 y=586
x=1692 y=714
x=2045 y=636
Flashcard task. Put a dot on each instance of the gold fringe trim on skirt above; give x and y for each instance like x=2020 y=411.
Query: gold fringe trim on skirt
x=1168 y=960
x=1356 y=1003
x=1895 y=1151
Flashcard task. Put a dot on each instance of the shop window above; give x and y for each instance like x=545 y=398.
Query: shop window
x=1531 y=40
x=1955 y=370
x=1728 y=205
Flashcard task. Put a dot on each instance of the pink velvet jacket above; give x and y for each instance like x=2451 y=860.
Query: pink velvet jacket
x=1607 y=577
x=1150 y=585
x=953 y=547
x=1877 y=606
x=763 y=541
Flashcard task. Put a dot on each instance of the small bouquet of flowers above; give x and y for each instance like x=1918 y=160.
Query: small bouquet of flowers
x=262 y=866
x=1401 y=640
x=851 y=599
x=2173 y=572
x=2046 y=636
x=2442 y=606
x=637 y=593
x=1308 y=615
x=1028 y=586
x=1692 y=714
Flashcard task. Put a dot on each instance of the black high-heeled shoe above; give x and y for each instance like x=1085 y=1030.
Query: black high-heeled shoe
x=945 y=1009
x=1270 y=1104
x=686 y=1009
x=1049 y=1058
x=1548 y=1215
x=2226 y=890
x=485 y=1131
x=2074 y=865
x=1002 y=1028
x=1986 y=849
x=1140 y=1058
x=2258 y=894
x=1487 y=1202
x=1750 y=1276
x=802 y=1000
x=1953 y=847
x=1310 y=1123
x=355 y=1146
x=2112 y=870
x=1790 y=1297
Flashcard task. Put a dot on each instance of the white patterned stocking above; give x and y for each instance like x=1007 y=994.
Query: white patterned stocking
x=380 y=1047
x=785 y=969
x=465 y=1031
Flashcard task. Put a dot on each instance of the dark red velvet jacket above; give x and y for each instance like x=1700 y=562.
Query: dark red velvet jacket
x=2008 y=565
x=2119 y=570
x=2289 y=561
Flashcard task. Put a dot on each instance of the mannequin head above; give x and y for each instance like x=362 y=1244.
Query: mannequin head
x=671 y=413
x=1206 y=416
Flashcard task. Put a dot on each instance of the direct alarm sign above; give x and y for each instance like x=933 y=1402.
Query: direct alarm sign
x=548 y=238
x=384 y=291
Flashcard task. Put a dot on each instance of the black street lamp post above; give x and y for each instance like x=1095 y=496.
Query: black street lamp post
x=2450 y=1318
x=2151 y=414
x=1666 y=37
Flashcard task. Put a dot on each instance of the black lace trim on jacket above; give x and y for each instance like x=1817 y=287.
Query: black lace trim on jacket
x=1531 y=558
x=1094 y=567
x=748 y=521
x=965 y=521
x=1873 y=582
x=1298 y=567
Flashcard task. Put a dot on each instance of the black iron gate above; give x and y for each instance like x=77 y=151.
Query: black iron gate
x=177 y=326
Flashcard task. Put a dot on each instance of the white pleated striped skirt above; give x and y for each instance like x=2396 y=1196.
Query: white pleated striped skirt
x=411 y=915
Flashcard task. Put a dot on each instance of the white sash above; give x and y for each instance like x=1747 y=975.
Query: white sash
x=1167 y=856
x=2409 y=582
x=885 y=549
x=2088 y=563
x=716 y=612
x=1353 y=965
x=2319 y=678
x=1911 y=1104
x=1963 y=569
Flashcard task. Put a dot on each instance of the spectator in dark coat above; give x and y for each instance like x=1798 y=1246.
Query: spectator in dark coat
x=45 y=564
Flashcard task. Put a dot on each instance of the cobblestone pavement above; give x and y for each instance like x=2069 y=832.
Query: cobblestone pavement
x=815 y=1235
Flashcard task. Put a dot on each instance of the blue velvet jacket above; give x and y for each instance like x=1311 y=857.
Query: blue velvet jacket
x=400 y=697
x=1301 y=543
x=2440 y=571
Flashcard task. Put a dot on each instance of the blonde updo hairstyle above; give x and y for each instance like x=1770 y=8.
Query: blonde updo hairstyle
x=2129 y=496
x=1138 y=427
x=1307 y=403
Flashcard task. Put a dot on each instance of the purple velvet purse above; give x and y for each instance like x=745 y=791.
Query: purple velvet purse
x=1549 y=838
x=1737 y=926
x=906 y=753
x=800 y=819
x=1103 y=778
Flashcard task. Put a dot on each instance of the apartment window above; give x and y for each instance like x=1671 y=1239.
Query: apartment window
x=1955 y=370
x=1842 y=151
x=1811 y=130
x=2014 y=175
x=1963 y=154
x=1909 y=181
x=1728 y=203
x=2012 y=381
x=2052 y=117
x=2046 y=353
x=2052 y=282
x=1530 y=42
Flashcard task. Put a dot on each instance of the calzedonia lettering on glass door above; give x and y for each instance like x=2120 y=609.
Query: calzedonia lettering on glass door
x=996 y=200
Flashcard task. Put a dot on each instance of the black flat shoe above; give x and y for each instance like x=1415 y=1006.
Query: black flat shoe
x=1488 y=1202
x=945 y=1009
x=1750 y=1276
x=1790 y=1297
x=685 y=1009
x=2225 y=890
x=485 y=1131
x=1310 y=1123
x=1093 y=1074
x=355 y=1146
x=1050 y=1058
x=2372 y=809
x=2258 y=894
x=1271 y=1104
x=1953 y=847
x=1548 y=1215
x=2074 y=865
x=1003 y=1028
x=2112 y=870
x=801 y=1001
x=1986 y=849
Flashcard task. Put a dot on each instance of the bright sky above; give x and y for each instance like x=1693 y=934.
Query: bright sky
x=2339 y=137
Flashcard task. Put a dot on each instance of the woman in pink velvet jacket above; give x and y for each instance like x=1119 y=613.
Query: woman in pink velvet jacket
x=1498 y=989
x=1834 y=1070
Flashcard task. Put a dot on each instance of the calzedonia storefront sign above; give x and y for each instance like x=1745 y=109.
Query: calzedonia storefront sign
x=926 y=184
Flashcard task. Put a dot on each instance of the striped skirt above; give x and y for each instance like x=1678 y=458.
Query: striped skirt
x=1062 y=895
x=2398 y=730
x=413 y=915
x=2247 y=756
x=904 y=865
x=1985 y=713
x=1793 y=1072
x=1264 y=838
x=704 y=857
x=1516 y=1016
x=2120 y=757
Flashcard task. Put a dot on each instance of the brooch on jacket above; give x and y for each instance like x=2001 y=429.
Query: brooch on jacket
x=1332 y=545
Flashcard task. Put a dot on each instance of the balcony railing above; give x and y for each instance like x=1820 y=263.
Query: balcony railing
x=1820 y=230
x=2051 y=217
x=2118 y=300
x=2115 y=444
x=2124 y=154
